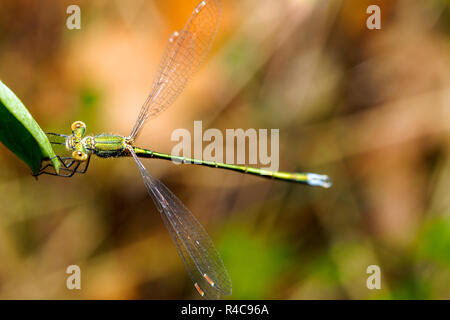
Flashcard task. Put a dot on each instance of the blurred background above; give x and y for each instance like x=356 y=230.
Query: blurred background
x=368 y=108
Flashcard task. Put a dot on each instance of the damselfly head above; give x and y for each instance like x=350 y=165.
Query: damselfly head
x=75 y=142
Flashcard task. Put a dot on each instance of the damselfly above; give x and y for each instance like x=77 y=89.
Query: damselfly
x=186 y=50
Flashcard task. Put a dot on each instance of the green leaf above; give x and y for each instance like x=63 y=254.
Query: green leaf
x=20 y=133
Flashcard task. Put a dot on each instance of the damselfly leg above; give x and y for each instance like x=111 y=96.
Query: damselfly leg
x=68 y=169
x=69 y=166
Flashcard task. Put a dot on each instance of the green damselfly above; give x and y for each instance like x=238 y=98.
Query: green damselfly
x=186 y=50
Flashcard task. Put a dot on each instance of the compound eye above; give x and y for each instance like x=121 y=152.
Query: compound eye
x=79 y=156
x=77 y=125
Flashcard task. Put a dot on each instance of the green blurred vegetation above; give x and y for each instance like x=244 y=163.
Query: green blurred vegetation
x=368 y=108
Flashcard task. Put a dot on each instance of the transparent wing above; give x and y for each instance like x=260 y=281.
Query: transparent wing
x=186 y=51
x=200 y=257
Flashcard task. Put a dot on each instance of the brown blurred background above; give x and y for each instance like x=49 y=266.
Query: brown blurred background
x=369 y=108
